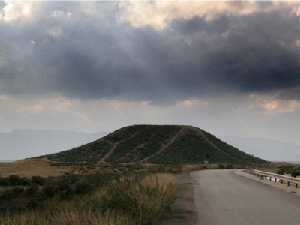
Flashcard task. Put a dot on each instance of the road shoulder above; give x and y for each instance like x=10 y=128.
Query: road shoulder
x=277 y=185
x=183 y=211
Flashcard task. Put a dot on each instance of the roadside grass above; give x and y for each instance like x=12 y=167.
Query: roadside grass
x=128 y=200
x=69 y=216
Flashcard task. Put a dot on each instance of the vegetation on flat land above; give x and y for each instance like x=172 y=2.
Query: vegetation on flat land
x=32 y=167
x=292 y=170
x=87 y=200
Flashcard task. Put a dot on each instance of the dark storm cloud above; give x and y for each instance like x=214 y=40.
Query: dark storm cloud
x=247 y=53
x=92 y=54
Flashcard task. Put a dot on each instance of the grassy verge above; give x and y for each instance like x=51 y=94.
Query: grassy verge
x=127 y=200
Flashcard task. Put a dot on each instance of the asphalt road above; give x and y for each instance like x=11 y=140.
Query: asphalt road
x=222 y=197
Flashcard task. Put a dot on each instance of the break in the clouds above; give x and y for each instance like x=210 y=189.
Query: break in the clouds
x=149 y=51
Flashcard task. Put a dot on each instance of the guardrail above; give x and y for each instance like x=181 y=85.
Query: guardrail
x=274 y=177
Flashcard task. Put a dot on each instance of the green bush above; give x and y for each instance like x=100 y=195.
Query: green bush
x=294 y=171
x=229 y=166
x=221 y=166
x=38 y=180
x=14 y=180
x=82 y=187
x=49 y=191
x=281 y=171
x=12 y=193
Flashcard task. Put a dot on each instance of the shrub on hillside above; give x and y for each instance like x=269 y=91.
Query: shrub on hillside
x=14 y=180
x=38 y=180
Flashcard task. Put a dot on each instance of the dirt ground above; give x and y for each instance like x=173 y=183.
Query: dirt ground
x=183 y=212
x=33 y=167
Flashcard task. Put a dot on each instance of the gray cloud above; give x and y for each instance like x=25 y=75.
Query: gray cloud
x=87 y=52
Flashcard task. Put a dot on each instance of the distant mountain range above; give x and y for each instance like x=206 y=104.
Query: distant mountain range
x=20 y=144
x=158 y=144
x=267 y=148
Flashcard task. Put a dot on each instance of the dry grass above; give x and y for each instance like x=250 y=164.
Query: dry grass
x=127 y=201
x=66 y=217
x=32 y=167
x=159 y=179
x=192 y=167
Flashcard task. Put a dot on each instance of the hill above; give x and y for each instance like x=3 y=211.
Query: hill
x=155 y=144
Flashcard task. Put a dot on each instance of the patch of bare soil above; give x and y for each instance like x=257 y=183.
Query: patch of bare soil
x=32 y=167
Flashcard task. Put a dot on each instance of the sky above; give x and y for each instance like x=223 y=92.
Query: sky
x=232 y=68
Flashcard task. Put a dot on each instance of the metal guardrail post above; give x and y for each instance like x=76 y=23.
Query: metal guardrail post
x=282 y=179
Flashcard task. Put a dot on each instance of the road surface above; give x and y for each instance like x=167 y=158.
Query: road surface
x=222 y=197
